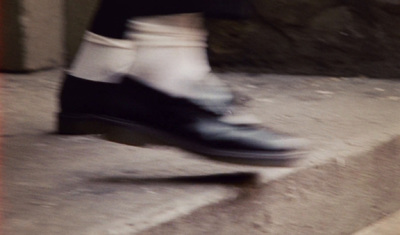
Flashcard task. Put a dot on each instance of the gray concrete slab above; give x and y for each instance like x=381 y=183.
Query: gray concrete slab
x=85 y=185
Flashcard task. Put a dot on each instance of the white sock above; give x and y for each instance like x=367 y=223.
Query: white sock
x=170 y=52
x=102 y=59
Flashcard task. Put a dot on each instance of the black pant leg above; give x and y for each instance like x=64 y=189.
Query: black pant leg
x=111 y=18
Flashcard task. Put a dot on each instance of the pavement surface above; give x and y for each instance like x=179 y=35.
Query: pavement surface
x=389 y=225
x=85 y=185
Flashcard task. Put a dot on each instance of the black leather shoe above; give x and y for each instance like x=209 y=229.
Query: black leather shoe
x=133 y=113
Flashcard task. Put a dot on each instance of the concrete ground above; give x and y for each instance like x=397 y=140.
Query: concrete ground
x=390 y=225
x=85 y=185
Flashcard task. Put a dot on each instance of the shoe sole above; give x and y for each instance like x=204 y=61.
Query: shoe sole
x=126 y=132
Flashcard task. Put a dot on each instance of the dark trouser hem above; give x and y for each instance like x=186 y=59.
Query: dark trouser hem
x=112 y=16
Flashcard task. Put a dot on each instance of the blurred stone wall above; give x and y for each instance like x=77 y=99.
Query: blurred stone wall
x=329 y=37
x=10 y=36
x=31 y=35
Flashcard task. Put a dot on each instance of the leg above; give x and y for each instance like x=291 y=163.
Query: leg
x=170 y=48
x=112 y=15
x=106 y=52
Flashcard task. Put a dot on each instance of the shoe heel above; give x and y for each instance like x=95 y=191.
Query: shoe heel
x=79 y=125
